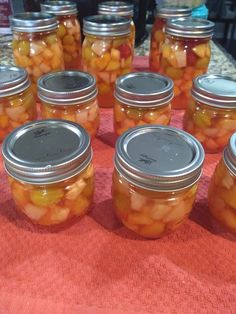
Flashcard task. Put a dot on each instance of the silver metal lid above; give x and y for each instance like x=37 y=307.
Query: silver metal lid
x=33 y=22
x=13 y=80
x=215 y=90
x=159 y=158
x=46 y=151
x=59 y=7
x=116 y=7
x=67 y=87
x=144 y=89
x=190 y=27
x=229 y=154
x=173 y=11
x=106 y=25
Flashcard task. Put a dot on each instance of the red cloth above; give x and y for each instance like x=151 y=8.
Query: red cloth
x=96 y=265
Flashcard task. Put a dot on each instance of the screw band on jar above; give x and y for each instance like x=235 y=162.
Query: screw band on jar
x=164 y=12
x=142 y=98
x=50 y=171
x=155 y=179
x=222 y=188
x=211 y=115
x=68 y=30
x=70 y=95
x=17 y=104
x=107 y=53
x=185 y=54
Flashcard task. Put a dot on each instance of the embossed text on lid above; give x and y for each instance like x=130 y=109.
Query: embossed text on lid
x=216 y=90
x=67 y=87
x=106 y=25
x=59 y=7
x=13 y=80
x=144 y=89
x=33 y=22
x=190 y=27
x=159 y=157
x=46 y=151
x=116 y=7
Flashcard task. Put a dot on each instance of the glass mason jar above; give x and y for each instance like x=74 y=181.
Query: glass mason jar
x=36 y=46
x=211 y=114
x=185 y=54
x=17 y=104
x=68 y=31
x=122 y=9
x=157 y=169
x=50 y=170
x=164 y=13
x=222 y=188
x=142 y=98
x=70 y=95
x=106 y=53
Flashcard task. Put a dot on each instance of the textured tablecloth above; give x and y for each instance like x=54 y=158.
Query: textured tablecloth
x=95 y=265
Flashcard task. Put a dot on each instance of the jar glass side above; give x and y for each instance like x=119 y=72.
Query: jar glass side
x=38 y=53
x=106 y=58
x=70 y=34
x=16 y=110
x=126 y=117
x=222 y=197
x=182 y=59
x=151 y=214
x=212 y=126
x=57 y=202
x=157 y=38
x=86 y=114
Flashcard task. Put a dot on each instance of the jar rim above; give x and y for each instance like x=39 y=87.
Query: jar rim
x=116 y=7
x=145 y=157
x=46 y=151
x=13 y=80
x=173 y=11
x=229 y=154
x=59 y=8
x=33 y=22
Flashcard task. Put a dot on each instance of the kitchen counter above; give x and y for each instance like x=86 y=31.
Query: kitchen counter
x=221 y=61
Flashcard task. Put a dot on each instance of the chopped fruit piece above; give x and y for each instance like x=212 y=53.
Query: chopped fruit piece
x=153 y=231
x=200 y=50
x=100 y=47
x=46 y=196
x=34 y=212
x=125 y=51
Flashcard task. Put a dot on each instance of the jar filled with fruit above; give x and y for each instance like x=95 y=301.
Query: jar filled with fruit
x=222 y=189
x=36 y=46
x=70 y=95
x=142 y=98
x=17 y=103
x=211 y=114
x=120 y=8
x=106 y=53
x=164 y=12
x=185 y=54
x=155 y=179
x=50 y=170
x=68 y=31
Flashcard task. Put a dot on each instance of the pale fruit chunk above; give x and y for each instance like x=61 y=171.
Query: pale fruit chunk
x=181 y=58
x=137 y=201
x=14 y=113
x=82 y=117
x=176 y=212
x=159 y=211
x=136 y=218
x=100 y=47
x=74 y=190
x=59 y=214
x=34 y=212
x=200 y=50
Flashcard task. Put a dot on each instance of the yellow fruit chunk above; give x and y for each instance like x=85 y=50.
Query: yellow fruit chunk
x=51 y=39
x=115 y=54
x=173 y=73
x=201 y=119
x=103 y=88
x=200 y=50
x=154 y=230
x=202 y=63
x=103 y=61
x=113 y=65
x=166 y=51
x=59 y=214
x=46 y=196
x=134 y=114
x=80 y=206
x=24 y=47
x=61 y=31
x=68 y=40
